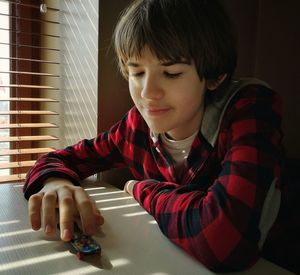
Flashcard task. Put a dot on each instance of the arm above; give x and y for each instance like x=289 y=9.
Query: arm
x=220 y=227
x=77 y=162
x=53 y=183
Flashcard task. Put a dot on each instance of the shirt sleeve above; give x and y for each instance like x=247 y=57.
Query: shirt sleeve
x=220 y=226
x=79 y=161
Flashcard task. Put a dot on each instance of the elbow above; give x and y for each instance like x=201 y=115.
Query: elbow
x=220 y=253
x=239 y=259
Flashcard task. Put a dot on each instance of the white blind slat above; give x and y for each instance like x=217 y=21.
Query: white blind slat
x=8 y=165
x=28 y=125
x=28 y=86
x=10 y=152
x=30 y=99
x=29 y=60
x=29 y=73
x=14 y=177
x=28 y=112
x=27 y=138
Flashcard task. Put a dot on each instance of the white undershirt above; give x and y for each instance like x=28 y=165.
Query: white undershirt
x=178 y=150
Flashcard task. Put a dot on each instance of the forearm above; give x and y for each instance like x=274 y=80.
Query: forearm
x=196 y=222
x=44 y=169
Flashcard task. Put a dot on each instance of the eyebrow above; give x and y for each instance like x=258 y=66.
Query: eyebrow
x=173 y=62
x=167 y=63
x=132 y=64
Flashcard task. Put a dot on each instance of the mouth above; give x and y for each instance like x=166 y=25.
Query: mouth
x=156 y=111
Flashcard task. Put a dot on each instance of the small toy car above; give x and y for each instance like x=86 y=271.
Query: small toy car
x=83 y=244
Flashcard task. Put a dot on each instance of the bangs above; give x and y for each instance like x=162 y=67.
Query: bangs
x=143 y=28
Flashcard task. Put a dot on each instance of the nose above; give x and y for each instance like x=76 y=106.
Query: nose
x=151 y=88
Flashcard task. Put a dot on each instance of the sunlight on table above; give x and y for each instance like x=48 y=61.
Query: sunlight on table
x=35 y=260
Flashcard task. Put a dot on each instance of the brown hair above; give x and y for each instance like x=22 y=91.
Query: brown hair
x=193 y=30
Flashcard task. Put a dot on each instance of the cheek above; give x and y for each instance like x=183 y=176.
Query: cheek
x=132 y=90
x=130 y=85
x=190 y=99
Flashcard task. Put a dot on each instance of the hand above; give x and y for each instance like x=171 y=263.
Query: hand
x=129 y=186
x=71 y=201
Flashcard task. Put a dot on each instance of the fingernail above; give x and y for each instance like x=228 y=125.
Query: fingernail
x=66 y=235
x=48 y=229
x=35 y=226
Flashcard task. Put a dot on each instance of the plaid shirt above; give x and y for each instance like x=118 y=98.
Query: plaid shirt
x=213 y=211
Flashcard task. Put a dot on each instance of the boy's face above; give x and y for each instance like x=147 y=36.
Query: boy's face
x=169 y=96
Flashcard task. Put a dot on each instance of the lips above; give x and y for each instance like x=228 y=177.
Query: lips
x=156 y=111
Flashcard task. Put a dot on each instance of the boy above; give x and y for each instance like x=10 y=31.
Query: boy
x=204 y=150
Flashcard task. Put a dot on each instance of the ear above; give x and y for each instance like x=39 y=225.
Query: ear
x=214 y=84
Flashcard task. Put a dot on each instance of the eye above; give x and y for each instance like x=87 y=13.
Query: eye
x=136 y=74
x=172 y=75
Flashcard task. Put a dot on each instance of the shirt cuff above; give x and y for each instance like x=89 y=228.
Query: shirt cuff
x=129 y=186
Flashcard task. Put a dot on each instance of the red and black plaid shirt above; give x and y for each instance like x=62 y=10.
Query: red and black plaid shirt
x=213 y=211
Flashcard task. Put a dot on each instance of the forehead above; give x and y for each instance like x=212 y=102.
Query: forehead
x=148 y=56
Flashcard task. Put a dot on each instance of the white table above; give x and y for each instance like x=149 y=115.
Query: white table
x=131 y=242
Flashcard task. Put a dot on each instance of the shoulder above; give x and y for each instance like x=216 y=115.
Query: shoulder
x=244 y=88
x=254 y=96
x=254 y=88
x=245 y=96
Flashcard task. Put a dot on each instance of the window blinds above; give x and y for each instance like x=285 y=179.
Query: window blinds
x=29 y=84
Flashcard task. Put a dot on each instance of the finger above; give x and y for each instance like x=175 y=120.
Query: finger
x=99 y=219
x=34 y=210
x=66 y=213
x=48 y=212
x=86 y=210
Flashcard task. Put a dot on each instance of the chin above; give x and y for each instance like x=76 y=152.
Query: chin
x=157 y=129
x=159 y=125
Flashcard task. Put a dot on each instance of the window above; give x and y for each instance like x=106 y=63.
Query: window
x=29 y=84
x=4 y=78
